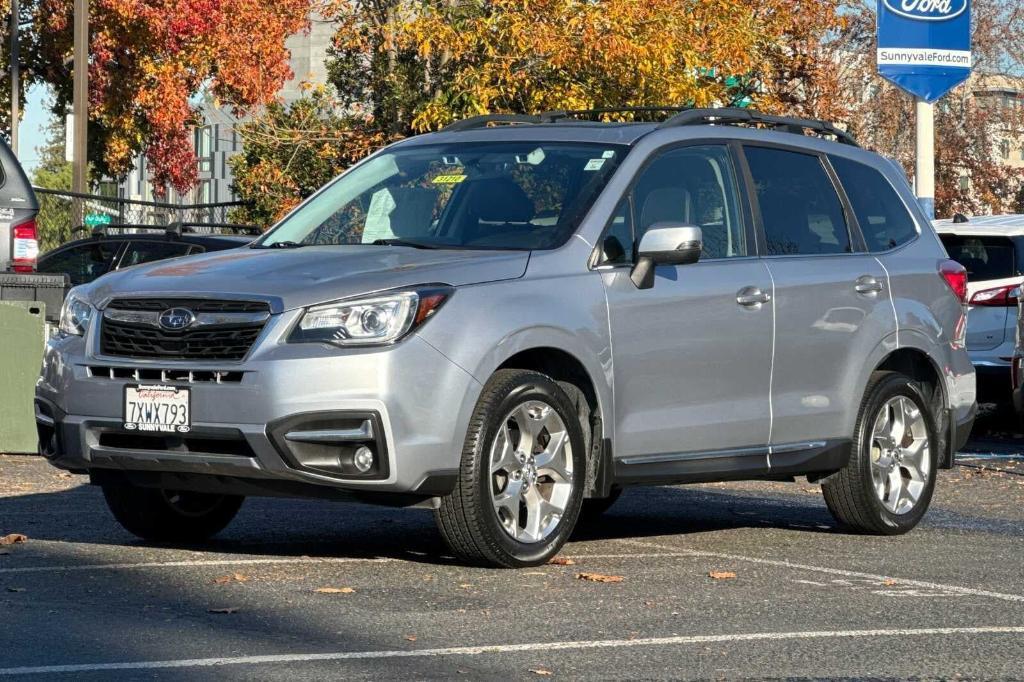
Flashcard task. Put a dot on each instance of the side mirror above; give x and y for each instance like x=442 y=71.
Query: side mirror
x=665 y=244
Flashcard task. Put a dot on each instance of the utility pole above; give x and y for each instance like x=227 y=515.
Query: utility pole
x=15 y=66
x=80 y=103
x=924 y=171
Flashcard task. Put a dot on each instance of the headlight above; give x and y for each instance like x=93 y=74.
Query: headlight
x=75 y=314
x=378 y=320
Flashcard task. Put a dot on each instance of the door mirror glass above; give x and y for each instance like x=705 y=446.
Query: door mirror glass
x=665 y=243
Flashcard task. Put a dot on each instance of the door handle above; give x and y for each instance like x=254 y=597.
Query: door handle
x=752 y=297
x=866 y=284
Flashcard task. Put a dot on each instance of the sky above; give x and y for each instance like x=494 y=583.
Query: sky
x=32 y=132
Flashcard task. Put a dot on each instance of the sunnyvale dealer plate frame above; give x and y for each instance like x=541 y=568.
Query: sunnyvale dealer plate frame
x=168 y=399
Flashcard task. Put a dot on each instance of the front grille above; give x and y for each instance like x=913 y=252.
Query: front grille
x=157 y=305
x=138 y=335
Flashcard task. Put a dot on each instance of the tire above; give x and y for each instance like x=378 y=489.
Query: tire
x=595 y=507
x=485 y=520
x=162 y=515
x=887 y=485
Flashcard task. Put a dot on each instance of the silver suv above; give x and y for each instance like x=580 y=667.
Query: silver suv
x=510 y=323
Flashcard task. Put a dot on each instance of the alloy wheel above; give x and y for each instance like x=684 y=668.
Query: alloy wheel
x=900 y=454
x=531 y=469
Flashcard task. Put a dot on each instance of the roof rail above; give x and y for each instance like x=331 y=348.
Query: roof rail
x=734 y=116
x=556 y=114
x=482 y=121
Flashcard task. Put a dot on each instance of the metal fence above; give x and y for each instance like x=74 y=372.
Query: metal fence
x=64 y=215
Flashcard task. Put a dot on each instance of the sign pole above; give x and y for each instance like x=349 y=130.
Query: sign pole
x=924 y=173
x=15 y=75
x=80 y=103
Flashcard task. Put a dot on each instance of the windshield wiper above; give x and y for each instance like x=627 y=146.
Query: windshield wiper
x=404 y=242
x=279 y=245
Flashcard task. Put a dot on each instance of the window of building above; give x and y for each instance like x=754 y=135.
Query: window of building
x=800 y=210
x=204 y=148
x=881 y=214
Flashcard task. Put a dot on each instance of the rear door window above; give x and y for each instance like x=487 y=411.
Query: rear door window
x=883 y=218
x=83 y=263
x=800 y=210
x=984 y=258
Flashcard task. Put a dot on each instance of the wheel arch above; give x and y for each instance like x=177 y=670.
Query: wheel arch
x=919 y=365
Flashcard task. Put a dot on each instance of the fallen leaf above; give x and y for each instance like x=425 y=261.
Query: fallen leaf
x=15 y=589
x=543 y=672
x=599 y=578
x=888 y=582
x=411 y=638
x=226 y=609
x=466 y=585
x=721 y=575
x=13 y=539
x=231 y=577
x=334 y=590
x=562 y=561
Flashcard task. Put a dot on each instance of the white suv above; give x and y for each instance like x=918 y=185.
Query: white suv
x=991 y=248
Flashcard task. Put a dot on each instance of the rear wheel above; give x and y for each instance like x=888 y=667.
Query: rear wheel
x=887 y=485
x=521 y=479
x=168 y=515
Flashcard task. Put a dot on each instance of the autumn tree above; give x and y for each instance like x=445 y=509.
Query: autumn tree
x=401 y=67
x=149 y=58
x=970 y=174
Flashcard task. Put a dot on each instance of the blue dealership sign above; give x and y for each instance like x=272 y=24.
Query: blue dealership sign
x=924 y=46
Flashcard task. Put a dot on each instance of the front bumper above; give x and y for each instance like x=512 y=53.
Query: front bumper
x=416 y=399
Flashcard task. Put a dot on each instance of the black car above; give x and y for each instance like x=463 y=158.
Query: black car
x=114 y=248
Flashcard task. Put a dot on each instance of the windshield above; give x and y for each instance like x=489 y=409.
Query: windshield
x=506 y=195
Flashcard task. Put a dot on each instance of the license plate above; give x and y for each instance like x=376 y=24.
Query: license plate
x=164 y=409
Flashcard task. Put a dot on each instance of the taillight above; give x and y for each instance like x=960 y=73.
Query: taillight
x=955 y=276
x=26 y=246
x=1000 y=296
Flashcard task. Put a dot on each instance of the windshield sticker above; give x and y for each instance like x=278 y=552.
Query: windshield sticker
x=594 y=164
x=449 y=179
x=608 y=153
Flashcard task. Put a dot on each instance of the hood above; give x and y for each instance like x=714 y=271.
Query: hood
x=293 y=278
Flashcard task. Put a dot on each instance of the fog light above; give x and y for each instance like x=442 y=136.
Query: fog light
x=363 y=459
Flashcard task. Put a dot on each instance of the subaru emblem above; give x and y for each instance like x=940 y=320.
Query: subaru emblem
x=176 y=319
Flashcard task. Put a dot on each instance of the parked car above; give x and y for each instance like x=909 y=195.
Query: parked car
x=19 y=243
x=510 y=323
x=991 y=248
x=108 y=250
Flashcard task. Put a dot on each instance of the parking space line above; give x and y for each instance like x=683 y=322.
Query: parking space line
x=836 y=571
x=505 y=648
x=288 y=560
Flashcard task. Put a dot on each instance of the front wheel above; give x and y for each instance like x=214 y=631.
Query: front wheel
x=163 y=515
x=886 y=486
x=522 y=473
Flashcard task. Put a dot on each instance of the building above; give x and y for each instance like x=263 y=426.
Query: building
x=215 y=139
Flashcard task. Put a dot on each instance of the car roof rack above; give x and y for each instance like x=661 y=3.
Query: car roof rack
x=559 y=114
x=173 y=230
x=482 y=121
x=684 y=116
x=736 y=116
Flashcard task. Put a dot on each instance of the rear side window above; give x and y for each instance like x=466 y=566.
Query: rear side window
x=884 y=220
x=800 y=209
x=984 y=257
x=83 y=263
x=147 y=252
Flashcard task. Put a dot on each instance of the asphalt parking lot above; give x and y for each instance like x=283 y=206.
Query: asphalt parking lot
x=794 y=596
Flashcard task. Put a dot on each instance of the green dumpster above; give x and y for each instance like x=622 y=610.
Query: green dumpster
x=22 y=339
